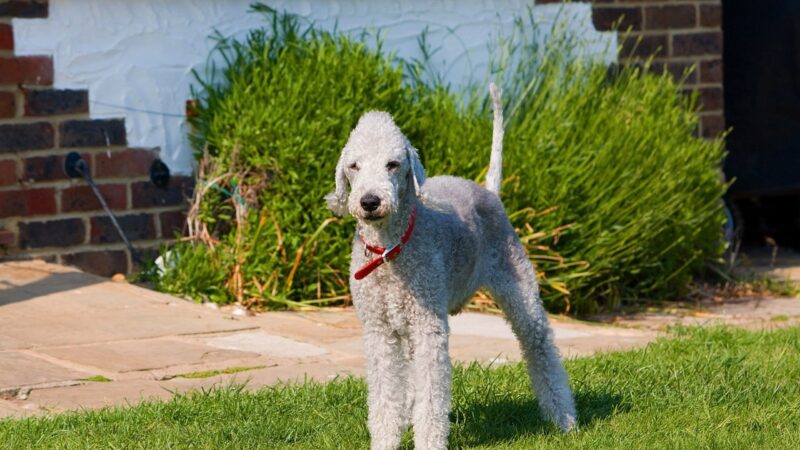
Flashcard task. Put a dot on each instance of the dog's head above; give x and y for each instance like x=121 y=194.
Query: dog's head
x=377 y=171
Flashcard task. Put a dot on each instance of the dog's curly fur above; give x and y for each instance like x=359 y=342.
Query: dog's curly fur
x=462 y=241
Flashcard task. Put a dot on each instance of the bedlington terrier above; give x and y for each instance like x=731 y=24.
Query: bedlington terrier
x=421 y=250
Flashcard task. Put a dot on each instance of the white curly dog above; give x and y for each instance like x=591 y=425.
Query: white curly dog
x=421 y=250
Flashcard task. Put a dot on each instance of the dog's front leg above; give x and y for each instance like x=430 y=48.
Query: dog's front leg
x=431 y=375
x=386 y=383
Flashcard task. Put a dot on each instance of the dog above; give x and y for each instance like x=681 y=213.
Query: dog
x=422 y=248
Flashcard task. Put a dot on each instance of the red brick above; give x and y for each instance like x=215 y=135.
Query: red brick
x=712 y=125
x=12 y=203
x=50 y=102
x=40 y=201
x=711 y=16
x=710 y=99
x=669 y=17
x=43 y=168
x=104 y=263
x=144 y=194
x=6 y=37
x=7 y=238
x=697 y=44
x=8 y=107
x=92 y=133
x=27 y=202
x=26 y=136
x=26 y=70
x=51 y=233
x=23 y=8
x=617 y=18
x=711 y=71
x=47 y=168
x=172 y=223
x=644 y=46
x=131 y=162
x=82 y=198
x=8 y=172
x=136 y=227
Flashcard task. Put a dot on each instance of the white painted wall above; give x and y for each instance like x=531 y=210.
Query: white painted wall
x=136 y=56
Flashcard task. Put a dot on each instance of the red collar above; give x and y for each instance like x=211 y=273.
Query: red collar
x=387 y=254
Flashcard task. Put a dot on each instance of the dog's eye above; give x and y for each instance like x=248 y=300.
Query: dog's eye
x=353 y=166
x=391 y=165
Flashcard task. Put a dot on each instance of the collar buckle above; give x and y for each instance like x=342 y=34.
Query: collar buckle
x=389 y=254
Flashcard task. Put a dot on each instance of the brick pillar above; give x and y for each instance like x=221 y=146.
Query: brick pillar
x=681 y=34
x=45 y=214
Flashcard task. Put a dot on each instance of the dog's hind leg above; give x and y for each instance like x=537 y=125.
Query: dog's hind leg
x=513 y=285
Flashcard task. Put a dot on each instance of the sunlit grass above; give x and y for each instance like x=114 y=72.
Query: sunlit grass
x=97 y=379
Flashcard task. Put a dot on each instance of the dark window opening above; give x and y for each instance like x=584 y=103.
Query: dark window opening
x=762 y=105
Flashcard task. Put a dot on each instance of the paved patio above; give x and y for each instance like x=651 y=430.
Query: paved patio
x=60 y=328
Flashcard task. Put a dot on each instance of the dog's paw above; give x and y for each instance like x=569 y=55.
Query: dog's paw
x=567 y=422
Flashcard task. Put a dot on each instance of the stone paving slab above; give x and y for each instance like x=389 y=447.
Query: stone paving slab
x=92 y=396
x=747 y=309
x=9 y=409
x=573 y=348
x=21 y=369
x=266 y=344
x=130 y=392
x=148 y=354
x=320 y=372
x=353 y=345
x=317 y=326
x=11 y=343
x=84 y=308
x=495 y=326
x=743 y=312
x=485 y=350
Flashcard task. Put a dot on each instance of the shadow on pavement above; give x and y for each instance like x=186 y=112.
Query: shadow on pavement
x=12 y=291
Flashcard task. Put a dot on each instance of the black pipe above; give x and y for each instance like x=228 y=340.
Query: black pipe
x=75 y=167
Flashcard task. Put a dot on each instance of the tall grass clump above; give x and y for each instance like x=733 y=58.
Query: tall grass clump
x=271 y=121
x=610 y=190
x=614 y=151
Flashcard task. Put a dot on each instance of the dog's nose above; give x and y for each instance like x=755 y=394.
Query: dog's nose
x=370 y=202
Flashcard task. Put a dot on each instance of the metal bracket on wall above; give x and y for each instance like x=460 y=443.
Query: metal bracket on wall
x=76 y=167
x=159 y=174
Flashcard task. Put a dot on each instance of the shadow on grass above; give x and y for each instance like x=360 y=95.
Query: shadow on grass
x=506 y=420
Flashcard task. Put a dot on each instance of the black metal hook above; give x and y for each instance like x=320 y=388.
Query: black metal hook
x=76 y=167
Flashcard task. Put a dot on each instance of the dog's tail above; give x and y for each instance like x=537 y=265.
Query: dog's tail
x=494 y=176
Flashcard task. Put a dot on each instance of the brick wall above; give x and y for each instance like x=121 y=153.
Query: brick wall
x=681 y=34
x=45 y=214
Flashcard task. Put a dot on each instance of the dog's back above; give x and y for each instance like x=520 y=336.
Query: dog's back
x=473 y=222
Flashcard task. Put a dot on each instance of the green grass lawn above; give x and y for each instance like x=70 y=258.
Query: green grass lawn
x=703 y=388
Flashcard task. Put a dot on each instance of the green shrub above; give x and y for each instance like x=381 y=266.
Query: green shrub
x=610 y=190
x=278 y=118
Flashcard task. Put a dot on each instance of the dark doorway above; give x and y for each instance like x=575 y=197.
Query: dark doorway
x=762 y=105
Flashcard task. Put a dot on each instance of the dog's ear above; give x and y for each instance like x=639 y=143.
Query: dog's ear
x=417 y=170
x=337 y=199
